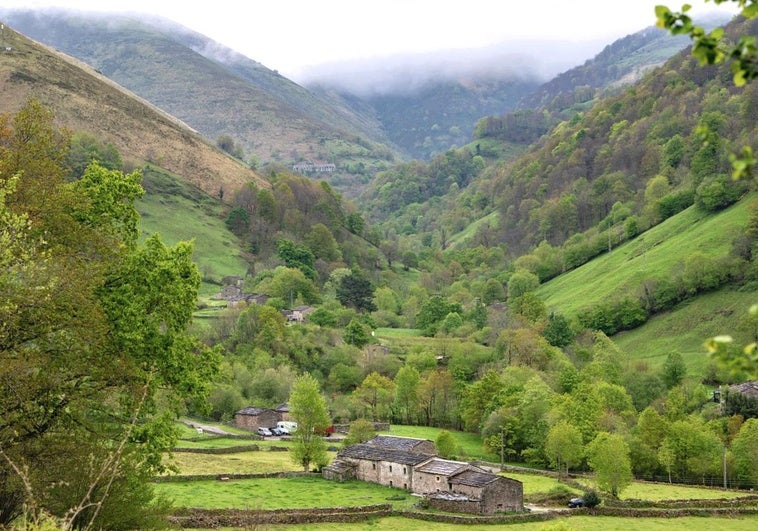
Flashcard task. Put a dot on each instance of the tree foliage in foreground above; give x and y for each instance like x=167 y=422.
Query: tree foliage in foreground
x=92 y=333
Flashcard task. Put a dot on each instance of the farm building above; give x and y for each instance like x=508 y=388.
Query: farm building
x=392 y=468
x=448 y=485
x=251 y=418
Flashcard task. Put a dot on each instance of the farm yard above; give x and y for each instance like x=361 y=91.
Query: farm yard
x=258 y=476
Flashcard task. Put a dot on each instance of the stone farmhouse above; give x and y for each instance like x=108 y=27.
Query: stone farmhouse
x=411 y=464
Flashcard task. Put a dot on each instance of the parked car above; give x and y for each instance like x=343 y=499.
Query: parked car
x=276 y=432
x=264 y=432
x=287 y=427
x=576 y=502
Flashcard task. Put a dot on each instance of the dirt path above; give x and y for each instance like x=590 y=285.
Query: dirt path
x=207 y=429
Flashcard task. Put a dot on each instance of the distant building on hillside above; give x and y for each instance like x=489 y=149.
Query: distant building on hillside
x=314 y=167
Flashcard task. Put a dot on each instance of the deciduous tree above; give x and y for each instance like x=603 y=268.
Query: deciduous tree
x=308 y=409
x=608 y=457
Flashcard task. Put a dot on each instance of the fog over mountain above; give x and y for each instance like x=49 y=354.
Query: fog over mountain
x=532 y=60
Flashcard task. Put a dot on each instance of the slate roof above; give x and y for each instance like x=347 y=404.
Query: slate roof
x=340 y=466
x=473 y=478
x=252 y=411
x=749 y=389
x=375 y=453
x=442 y=467
x=391 y=442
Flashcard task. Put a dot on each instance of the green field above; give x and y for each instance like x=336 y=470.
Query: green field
x=659 y=252
x=236 y=463
x=470 y=443
x=686 y=328
x=576 y=523
x=281 y=493
x=179 y=212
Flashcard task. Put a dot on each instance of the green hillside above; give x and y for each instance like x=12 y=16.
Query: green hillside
x=659 y=252
x=180 y=212
x=685 y=329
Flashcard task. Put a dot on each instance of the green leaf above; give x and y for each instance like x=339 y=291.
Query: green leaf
x=750 y=11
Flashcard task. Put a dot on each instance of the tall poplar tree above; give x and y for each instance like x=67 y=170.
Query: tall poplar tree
x=308 y=408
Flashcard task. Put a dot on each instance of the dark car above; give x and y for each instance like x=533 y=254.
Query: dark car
x=576 y=502
x=264 y=432
x=277 y=432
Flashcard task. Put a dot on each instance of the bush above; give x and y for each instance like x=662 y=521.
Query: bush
x=591 y=499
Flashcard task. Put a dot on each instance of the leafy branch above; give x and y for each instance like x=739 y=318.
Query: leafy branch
x=712 y=48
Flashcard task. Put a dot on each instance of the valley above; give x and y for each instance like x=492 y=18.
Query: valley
x=553 y=279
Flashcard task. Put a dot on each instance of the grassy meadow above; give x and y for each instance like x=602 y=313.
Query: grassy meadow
x=575 y=523
x=659 y=252
x=281 y=493
x=686 y=328
x=179 y=212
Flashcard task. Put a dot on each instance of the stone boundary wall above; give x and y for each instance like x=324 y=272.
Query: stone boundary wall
x=217 y=451
x=240 y=518
x=229 y=477
x=455 y=506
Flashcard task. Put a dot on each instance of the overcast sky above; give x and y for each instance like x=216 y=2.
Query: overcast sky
x=292 y=36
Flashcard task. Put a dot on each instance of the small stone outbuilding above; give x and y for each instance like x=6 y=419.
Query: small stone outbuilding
x=251 y=418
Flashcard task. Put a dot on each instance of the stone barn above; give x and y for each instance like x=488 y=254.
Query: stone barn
x=433 y=475
x=392 y=468
x=453 y=486
x=492 y=493
x=251 y=418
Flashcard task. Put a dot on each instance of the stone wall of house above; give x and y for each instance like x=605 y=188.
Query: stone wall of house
x=265 y=419
x=426 y=483
x=505 y=494
x=385 y=473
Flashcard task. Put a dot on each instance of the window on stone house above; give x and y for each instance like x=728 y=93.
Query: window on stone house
x=405 y=470
x=373 y=466
x=390 y=468
x=438 y=478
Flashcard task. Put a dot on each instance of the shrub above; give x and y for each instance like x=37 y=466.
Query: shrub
x=591 y=499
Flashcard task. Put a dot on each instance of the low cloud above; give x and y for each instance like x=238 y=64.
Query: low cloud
x=538 y=60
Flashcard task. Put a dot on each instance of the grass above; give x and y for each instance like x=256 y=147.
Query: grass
x=536 y=483
x=686 y=328
x=661 y=492
x=391 y=333
x=658 y=252
x=471 y=443
x=281 y=493
x=238 y=463
x=575 y=523
x=179 y=212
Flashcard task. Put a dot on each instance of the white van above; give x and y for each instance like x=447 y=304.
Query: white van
x=287 y=427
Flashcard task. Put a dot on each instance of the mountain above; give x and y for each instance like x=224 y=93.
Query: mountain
x=620 y=64
x=85 y=100
x=439 y=113
x=215 y=90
